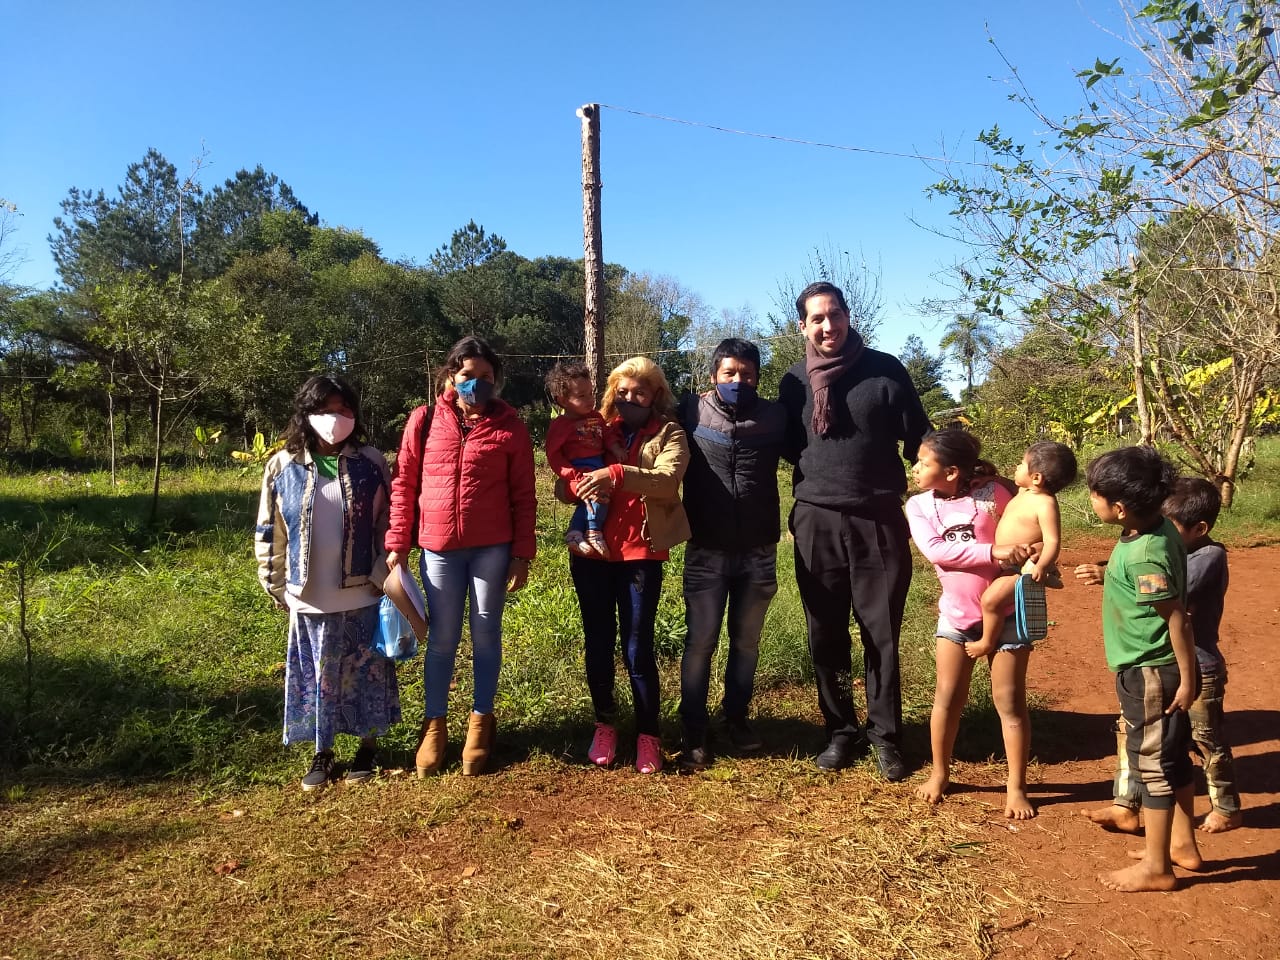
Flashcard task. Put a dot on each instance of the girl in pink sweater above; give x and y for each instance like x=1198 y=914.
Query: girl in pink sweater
x=953 y=523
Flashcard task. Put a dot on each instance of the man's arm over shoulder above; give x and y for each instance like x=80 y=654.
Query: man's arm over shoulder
x=687 y=412
x=791 y=397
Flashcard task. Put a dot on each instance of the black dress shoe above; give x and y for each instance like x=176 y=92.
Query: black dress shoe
x=841 y=752
x=694 y=758
x=742 y=736
x=892 y=767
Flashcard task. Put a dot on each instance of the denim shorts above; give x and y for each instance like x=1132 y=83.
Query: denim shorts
x=1008 y=636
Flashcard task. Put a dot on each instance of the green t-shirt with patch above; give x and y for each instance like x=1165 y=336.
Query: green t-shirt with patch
x=1142 y=571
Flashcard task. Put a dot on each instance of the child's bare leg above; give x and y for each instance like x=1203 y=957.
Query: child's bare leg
x=1119 y=817
x=997 y=596
x=1183 y=850
x=1171 y=838
x=1009 y=692
x=954 y=668
x=1155 y=870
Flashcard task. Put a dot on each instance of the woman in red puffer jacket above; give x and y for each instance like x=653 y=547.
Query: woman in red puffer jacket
x=464 y=492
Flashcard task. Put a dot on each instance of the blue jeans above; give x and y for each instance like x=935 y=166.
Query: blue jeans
x=620 y=599
x=589 y=514
x=746 y=583
x=449 y=578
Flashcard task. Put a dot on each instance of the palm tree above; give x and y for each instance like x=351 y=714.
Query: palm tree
x=968 y=338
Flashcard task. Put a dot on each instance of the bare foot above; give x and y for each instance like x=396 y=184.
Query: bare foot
x=1137 y=878
x=978 y=648
x=1217 y=823
x=1115 y=818
x=931 y=790
x=1188 y=858
x=1017 y=806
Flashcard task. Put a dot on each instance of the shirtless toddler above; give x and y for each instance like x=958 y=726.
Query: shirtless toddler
x=1031 y=519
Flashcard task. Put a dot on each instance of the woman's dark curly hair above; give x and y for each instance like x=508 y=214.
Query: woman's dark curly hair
x=462 y=351
x=311 y=398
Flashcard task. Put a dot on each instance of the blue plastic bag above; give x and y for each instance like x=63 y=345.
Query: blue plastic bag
x=395 y=640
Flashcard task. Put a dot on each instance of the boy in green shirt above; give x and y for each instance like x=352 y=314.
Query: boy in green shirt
x=1148 y=644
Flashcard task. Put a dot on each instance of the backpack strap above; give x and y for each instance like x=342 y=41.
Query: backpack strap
x=424 y=431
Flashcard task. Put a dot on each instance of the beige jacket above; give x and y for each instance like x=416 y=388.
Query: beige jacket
x=662 y=461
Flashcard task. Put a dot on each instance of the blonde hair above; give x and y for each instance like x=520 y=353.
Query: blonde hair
x=648 y=373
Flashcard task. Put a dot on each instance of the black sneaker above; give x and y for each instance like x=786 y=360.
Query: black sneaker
x=317 y=777
x=362 y=763
x=742 y=737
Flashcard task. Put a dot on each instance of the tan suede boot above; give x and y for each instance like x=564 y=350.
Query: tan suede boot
x=435 y=738
x=481 y=728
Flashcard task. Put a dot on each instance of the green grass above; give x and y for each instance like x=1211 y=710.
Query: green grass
x=1253 y=516
x=156 y=654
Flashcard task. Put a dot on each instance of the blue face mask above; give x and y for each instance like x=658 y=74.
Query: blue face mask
x=736 y=394
x=475 y=392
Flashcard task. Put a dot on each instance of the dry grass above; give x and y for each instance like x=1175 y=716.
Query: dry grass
x=753 y=859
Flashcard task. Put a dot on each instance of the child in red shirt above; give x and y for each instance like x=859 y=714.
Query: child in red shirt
x=576 y=443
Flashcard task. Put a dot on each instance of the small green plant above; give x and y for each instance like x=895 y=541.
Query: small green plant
x=258 y=454
x=207 y=439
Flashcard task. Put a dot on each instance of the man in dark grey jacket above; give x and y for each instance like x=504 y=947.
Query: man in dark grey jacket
x=731 y=498
x=852 y=416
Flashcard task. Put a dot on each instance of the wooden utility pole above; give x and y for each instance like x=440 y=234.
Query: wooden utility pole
x=592 y=244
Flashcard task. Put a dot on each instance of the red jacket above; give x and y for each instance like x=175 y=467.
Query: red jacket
x=572 y=438
x=470 y=492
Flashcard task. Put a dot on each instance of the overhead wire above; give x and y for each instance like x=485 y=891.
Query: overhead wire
x=898 y=154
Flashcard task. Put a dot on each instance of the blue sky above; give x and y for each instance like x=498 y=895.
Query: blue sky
x=406 y=120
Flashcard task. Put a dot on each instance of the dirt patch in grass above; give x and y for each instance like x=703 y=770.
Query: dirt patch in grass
x=1229 y=909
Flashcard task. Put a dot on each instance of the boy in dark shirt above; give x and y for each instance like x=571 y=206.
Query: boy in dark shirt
x=1193 y=508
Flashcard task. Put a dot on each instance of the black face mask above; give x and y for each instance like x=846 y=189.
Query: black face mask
x=736 y=394
x=633 y=415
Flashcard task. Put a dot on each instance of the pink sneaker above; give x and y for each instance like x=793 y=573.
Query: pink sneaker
x=604 y=745
x=648 y=753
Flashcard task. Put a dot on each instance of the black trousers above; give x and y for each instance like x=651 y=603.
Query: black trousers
x=846 y=563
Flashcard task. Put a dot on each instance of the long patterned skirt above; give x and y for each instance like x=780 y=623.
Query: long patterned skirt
x=334 y=682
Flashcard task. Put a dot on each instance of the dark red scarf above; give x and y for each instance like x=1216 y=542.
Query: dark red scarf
x=824 y=371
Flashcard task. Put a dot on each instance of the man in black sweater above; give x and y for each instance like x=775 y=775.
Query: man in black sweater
x=731 y=497
x=848 y=410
